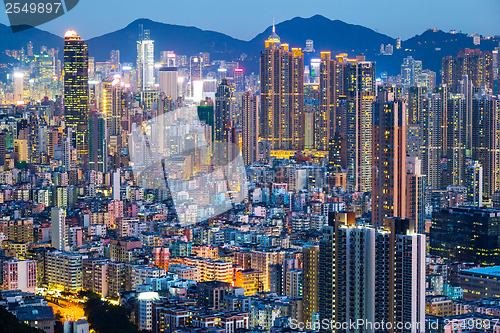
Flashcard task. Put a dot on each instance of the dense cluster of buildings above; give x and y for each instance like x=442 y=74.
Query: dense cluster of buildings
x=361 y=199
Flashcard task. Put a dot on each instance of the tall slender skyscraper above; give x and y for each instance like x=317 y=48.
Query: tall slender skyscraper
x=145 y=60
x=282 y=95
x=59 y=229
x=310 y=280
x=97 y=141
x=223 y=128
x=456 y=139
x=325 y=121
x=250 y=129
x=76 y=90
x=358 y=84
x=112 y=104
x=431 y=114
x=486 y=140
x=389 y=156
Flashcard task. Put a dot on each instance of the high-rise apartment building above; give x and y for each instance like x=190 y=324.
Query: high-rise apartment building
x=59 y=228
x=112 y=104
x=282 y=95
x=325 y=122
x=372 y=274
x=389 y=156
x=486 y=140
x=250 y=131
x=98 y=141
x=76 y=90
x=474 y=63
x=357 y=83
x=310 y=280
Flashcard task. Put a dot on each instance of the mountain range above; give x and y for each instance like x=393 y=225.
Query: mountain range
x=331 y=35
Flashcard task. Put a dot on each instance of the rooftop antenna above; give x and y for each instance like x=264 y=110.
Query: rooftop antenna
x=274 y=28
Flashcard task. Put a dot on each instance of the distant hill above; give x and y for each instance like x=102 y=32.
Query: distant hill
x=18 y=40
x=181 y=39
x=328 y=35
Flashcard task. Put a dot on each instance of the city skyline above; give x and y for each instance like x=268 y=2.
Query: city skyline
x=378 y=17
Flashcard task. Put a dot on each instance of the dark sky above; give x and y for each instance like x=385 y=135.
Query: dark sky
x=245 y=18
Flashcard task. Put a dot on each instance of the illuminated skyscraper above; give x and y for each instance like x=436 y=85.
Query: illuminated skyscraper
x=282 y=95
x=250 y=129
x=168 y=82
x=76 y=90
x=456 y=139
x=371 y=274
x=358 y=84
x=474 y=63
x=112 y=104
x=389 y=157
x=310 y=280
x=431 y=114
x=145 y=61
x=224 y=131
x=326 y=118
x=411 y=69
x=486 y=140
x=97 y=141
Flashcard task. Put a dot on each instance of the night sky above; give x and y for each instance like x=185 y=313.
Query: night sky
x=244 y=19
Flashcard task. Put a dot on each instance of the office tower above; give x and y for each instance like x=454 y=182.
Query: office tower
x=358 y=85
x=427 y=79
x=486 y=141
x=389 y=156
x=415 y=193
x=474 y=63
x=98 y=130
x=474 y=183
x=112 y=104
x=168 y=58
x=168 y=82
x=456 y=139
x=239 y=79
x=224 y=134
x=18 y=87
x=19 y=275
x=195 y=68
x=310 y=280
x=282 y=95
x=325 y=123
x=76 y=90
x=466 y=234
x=115 y=60
x=411 y=69
x=145 y=61
x=369 y=274
x=250 y=129
x=431 y=107
x=59 y=229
